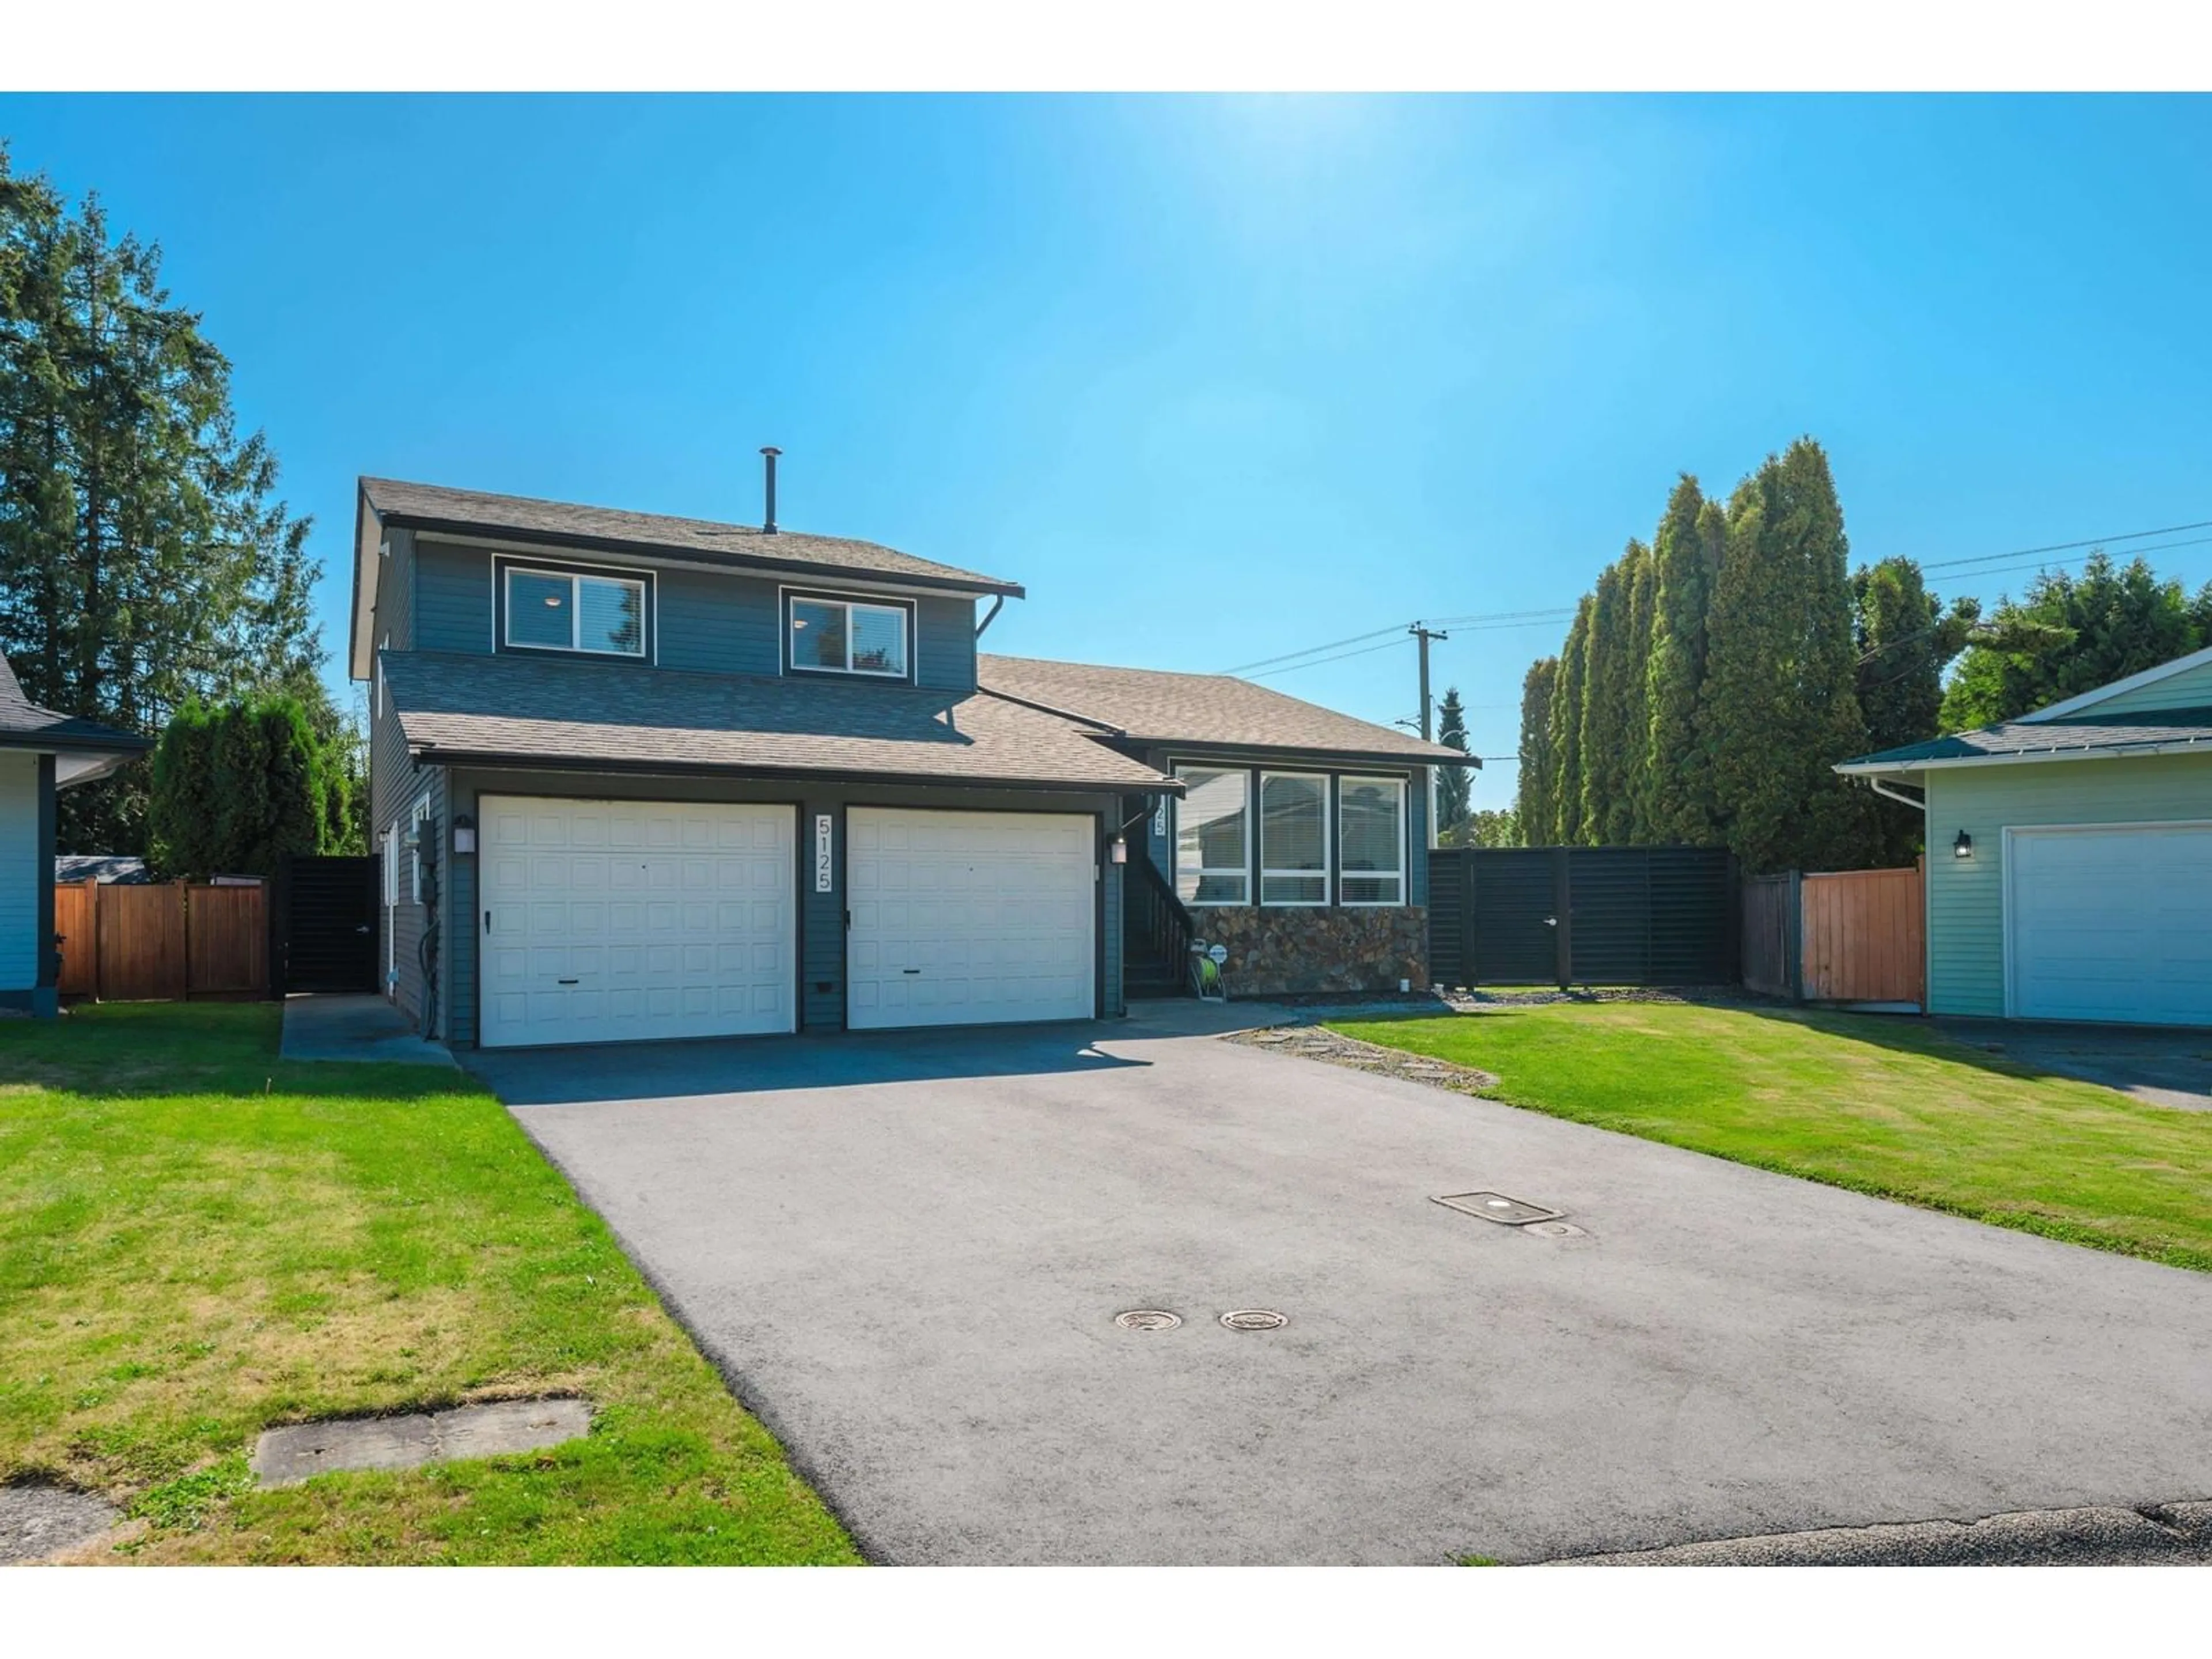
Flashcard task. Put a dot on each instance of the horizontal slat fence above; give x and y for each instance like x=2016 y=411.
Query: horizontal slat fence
x=161 y=943
x=1592 y=915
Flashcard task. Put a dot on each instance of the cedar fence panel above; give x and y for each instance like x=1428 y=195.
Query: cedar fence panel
x=228 y=930
x=142 y=944
x=162 y=943
x=74 y=921
x=1865 y=938
x=1772 y=958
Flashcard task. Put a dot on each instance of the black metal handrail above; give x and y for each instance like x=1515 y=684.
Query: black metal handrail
x=1163 y=923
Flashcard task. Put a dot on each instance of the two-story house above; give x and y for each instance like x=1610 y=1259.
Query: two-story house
x=635 y=776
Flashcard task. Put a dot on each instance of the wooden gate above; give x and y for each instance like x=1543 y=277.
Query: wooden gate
x=1866 y=938
x=162 y=944
x=1773 y=957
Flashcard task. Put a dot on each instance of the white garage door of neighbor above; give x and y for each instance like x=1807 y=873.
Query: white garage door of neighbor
x=2111 y=924
x=969 y=918
x=610 y=922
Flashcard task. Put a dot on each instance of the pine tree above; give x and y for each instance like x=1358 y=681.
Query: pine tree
x=1455 y=784
x=142 y=560
x=1566 y=716
x=2073 y=634
x=1535 y=810
x=1781 y=704
x=1686 y=557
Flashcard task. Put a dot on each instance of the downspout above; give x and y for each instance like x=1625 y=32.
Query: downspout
x=998 y=603
x=1920 y=804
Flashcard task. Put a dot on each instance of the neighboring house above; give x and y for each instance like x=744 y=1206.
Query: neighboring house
x=2069 y=855
x=634 y=777
x=41 y=752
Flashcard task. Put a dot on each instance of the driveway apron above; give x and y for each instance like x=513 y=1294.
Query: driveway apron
x=907 y=1252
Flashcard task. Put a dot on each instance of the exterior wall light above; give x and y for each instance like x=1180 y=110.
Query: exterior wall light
x=464 y=833
x=1963 y=846
x=1120 y=850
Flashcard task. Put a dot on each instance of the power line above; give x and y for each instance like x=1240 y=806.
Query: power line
x=1288 y=656
x=2067 y=547
x=1481 y=620
x=1292 y=668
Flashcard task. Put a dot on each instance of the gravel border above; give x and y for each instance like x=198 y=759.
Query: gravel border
x=1318 y=1042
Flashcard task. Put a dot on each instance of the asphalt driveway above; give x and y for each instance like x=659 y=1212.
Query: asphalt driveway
x=907 y=1252
x=2165 y=1066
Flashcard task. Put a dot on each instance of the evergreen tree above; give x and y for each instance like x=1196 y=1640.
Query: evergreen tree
x=1635 y=712
x=142 y=560
x=1781 y=705
x=1455 y=784
x=1566 y=715
x=237 y=790
x=1904 y=640
x=1493 y=827
x=1605 y=669
x=2073 y=634
x=1534 y=806
x=1686 y=557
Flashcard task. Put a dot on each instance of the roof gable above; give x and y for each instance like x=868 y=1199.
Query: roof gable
x=1211 y=710
x=2138 y=692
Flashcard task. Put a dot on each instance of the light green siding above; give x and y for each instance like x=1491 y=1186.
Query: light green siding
x=2191 y=689
x=1965 y=897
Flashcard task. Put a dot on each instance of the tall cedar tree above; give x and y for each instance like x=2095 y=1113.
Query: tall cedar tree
x=237 y=790
x=1782 y=704
x=1635 y=714
x=142 y=560
x=1604 y=779
x=1566 y=713
x=1685 y=558
x=1905 y=639
x=1534 y=809
x=2111 y=621
x=1455 y=784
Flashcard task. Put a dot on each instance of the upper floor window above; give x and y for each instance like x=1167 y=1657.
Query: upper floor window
x=570 y=610
x=846 y=636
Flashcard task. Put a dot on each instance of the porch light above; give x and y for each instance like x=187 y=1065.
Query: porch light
x=464 y=833
x=1120 y=850
x=1963 y=846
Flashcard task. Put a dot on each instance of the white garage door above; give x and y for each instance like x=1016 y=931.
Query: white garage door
x=969 y=918
x=2112 y=924
x=608 y=921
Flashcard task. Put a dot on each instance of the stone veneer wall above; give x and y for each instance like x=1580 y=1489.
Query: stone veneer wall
x=1272 y=952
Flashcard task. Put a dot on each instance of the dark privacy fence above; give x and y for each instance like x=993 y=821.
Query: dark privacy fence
x=1585 y=915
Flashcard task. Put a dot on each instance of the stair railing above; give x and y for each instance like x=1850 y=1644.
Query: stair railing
x=1163 y=923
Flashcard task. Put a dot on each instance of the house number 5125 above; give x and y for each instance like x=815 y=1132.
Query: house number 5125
x=822 y=852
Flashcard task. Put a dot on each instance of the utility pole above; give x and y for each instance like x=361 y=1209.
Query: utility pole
x=1425 y=634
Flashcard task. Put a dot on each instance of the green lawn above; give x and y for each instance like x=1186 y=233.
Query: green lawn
x=1881 y=1105
x=199 y=1241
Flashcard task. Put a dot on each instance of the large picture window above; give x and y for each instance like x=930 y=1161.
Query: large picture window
x=1372 y=840
x=567 y=611
x=1213 y=845
x=1293 y=838
x=845 y=636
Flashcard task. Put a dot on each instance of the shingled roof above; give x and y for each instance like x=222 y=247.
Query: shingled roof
x=489 y=710
x=1152 y=705
x=24 y=725
x=2184 y=730
x=605 y=529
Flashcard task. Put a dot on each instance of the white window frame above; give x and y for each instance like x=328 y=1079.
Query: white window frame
x=1327 y=845
x=386 y=646
x=793 y=597
x=574 y=648
x=390 y=849
x=1243 y=870
x=1345 y=876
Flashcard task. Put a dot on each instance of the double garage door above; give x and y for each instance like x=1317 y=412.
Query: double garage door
x=608 y=921
x=2111 y=924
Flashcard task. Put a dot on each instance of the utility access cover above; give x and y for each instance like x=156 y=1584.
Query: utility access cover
x=1495 y=1206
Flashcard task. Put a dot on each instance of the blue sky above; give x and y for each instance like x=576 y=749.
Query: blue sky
x=1218 y=380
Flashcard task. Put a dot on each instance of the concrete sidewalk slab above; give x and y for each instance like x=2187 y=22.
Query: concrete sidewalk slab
x=300 y=1451
x=323 y=1026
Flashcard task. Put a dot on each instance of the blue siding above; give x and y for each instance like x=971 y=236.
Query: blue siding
x=945 y=644
x=717 y=624
x=453 y=597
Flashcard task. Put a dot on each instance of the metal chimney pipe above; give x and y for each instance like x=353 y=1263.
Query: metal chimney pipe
x=770 y=452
